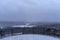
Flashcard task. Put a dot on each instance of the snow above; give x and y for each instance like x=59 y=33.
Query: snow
x=30 y=37
x=22 y=26
x=1 y=27
x=26 y=25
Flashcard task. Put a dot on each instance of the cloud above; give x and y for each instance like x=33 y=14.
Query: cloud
x=30 y=10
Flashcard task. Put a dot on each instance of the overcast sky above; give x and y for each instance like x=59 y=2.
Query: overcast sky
x=30 y=10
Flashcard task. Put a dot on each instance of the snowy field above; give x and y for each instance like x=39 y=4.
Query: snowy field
x=30 y=37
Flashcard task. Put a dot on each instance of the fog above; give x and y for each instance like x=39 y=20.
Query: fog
x=30 y=10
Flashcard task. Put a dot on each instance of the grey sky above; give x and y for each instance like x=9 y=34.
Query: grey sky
x=30 y=10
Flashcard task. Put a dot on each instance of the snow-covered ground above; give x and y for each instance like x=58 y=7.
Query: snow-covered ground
x=26 y=25
x=30 y=37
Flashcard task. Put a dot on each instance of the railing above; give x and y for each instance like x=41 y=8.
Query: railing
x=29 y=30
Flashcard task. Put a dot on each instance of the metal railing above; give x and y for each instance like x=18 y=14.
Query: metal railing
x=27 y=30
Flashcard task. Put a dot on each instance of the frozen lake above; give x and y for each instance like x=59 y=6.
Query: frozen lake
x=30 y=37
